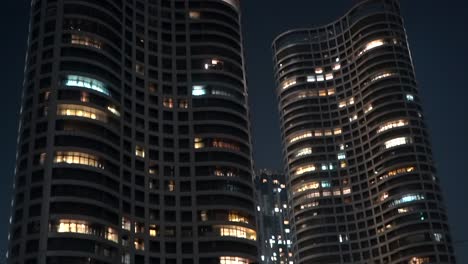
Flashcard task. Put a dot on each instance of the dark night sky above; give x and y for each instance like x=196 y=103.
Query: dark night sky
x=439 y=43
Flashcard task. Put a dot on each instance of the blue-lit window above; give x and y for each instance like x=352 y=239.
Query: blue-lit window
x=198 y=90
x=407 y=199
x=88 y=83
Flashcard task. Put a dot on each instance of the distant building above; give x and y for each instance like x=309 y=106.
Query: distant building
x=272 y=211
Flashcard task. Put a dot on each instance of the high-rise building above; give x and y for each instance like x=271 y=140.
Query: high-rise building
x=273 y=218
x=134 y=143
x=359 y=164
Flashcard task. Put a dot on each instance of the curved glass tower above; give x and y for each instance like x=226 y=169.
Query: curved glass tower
x=134 y=143
x=356 y=150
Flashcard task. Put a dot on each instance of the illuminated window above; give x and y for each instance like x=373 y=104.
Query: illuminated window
x=83 y=227
x=318 y=70
x=438 y=237
x=320 y=78
x=372 y=45
x=337 y=131
x=198 y=90
x=407 y=199
x=139 y=244
x=341 y=156
x=126 y=223
x=81 y=111
x=305 y=169
x=85 y=41
x=326 y=184
x=214 y=64
x=168 y=102
x=219 y=143
x=392 y=124
x=286 y=84
x=308 y=186
x=323 y=93
x=113 y=110
x=329 y=76
x=171 y=186
x=311 y=78
x=85 y=82
x=309 y=205
x=410 y=97
x=397 y=172
x=183 y=103
x=140 y=151
x=368 y=109
x=302 y=136
x=381 y=76
x=140 y=69
x=347 y=190
x=236 y=231
x=233 y=260
x=194 y=15
x=79 y=158
x=304 y=152
x=204 y=216
x=153 y=230
x=236 y=217
x=331 y=91
x=419 y=260
x=397 y=142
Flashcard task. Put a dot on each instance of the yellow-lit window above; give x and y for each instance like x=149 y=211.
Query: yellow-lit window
x=79 y=158
x=329 y=76
x=368 y=109
x=236 y=217
x=337 y=131
x=81 y=111
x=171 y=186
x=302 y=136
x=308 y=186
x=392 y=124
x=306 y=169
x=233 y=260
x=381 y=76
x=304 y=152
x=85 y=41
x=139 y=244
x=331 y=91
x=112 y=235
x=336 y=67
x=397 y=172
x=74 y=226
x=371 y=45
x=286 y=84
x=153 y=230
x=198 y=143
x=194 y=15
x=139 y=151
x=204 y=216
x=219 y=143
x=168 y=102
x=323 y=93
x=419 y=260
x=236 y=231
x=318 y=70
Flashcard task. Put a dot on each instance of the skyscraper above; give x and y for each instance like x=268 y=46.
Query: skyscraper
x=273 y=218
x=134 y=141
x=363 y=184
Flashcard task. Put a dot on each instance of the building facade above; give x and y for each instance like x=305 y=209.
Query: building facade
x=273 y=218
x=359 y=164
x=134 y=141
